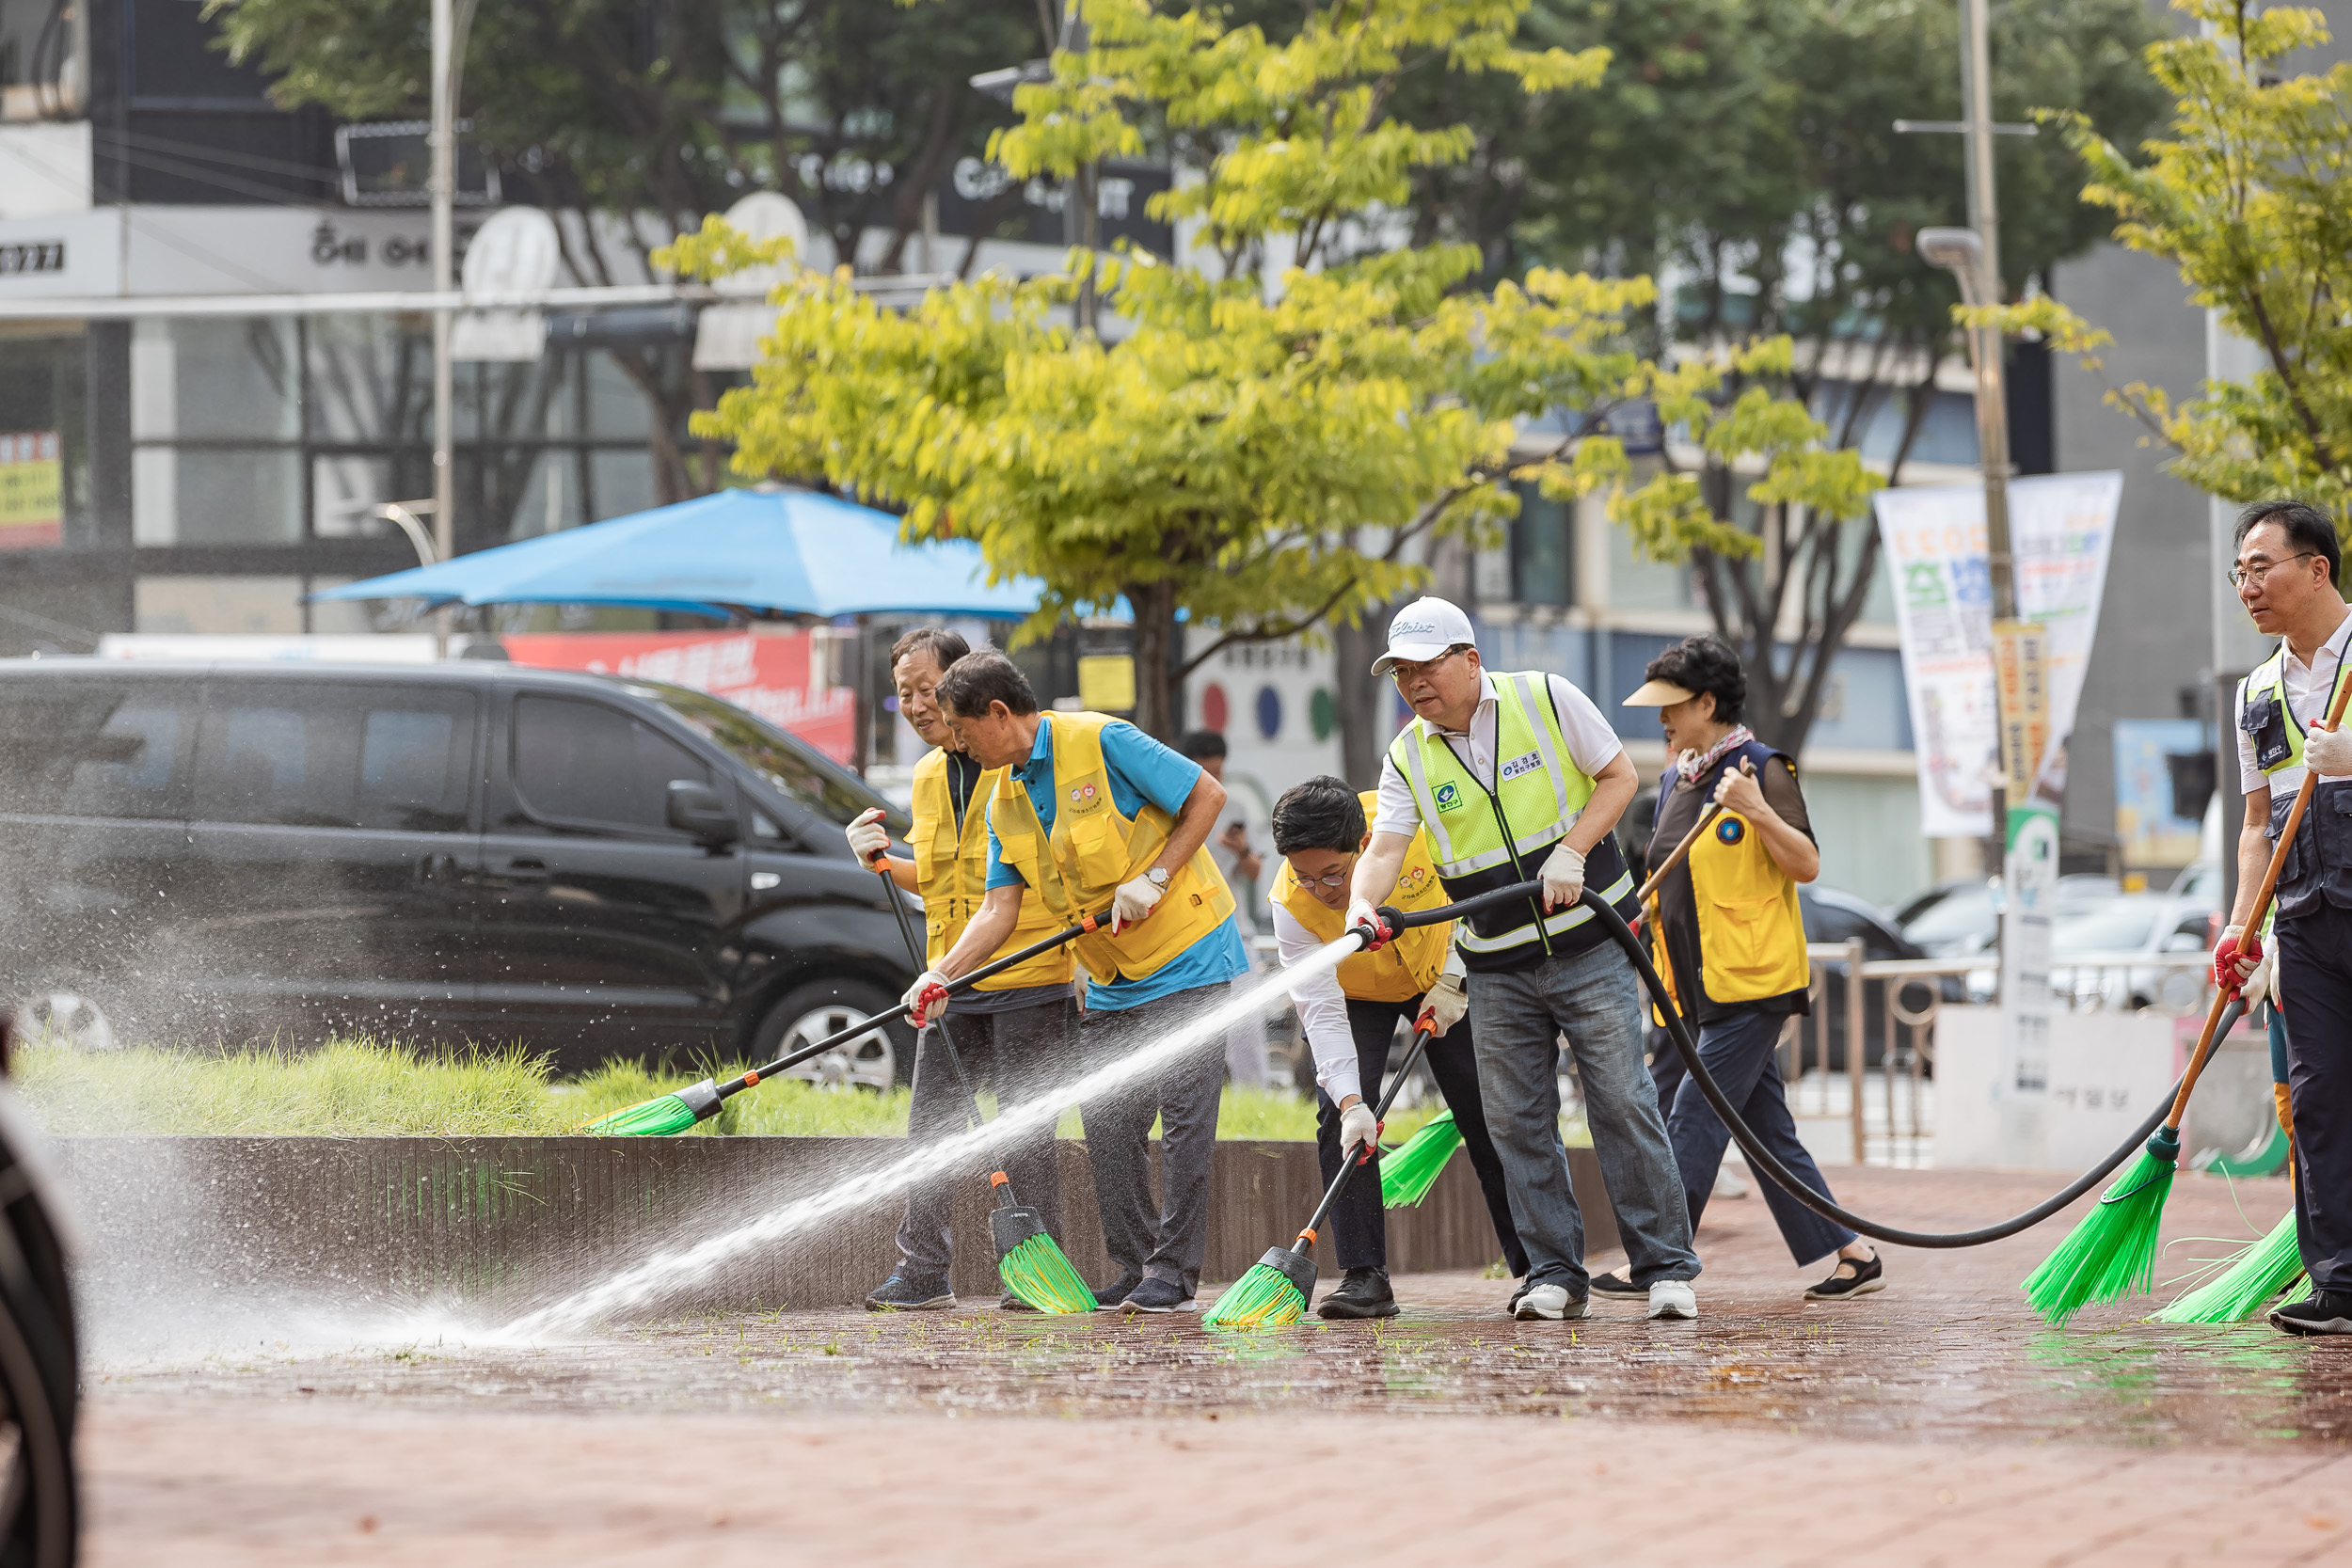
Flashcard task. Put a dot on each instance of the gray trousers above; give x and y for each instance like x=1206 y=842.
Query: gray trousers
x=1183 y=1094
x=1015 y=1054
x=1594 y=998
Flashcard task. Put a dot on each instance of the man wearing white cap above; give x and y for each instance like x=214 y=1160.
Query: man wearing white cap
x=1518 y=778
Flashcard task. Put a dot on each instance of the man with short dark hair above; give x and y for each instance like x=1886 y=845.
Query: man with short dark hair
x=1350 y=1017
x=1092 y=815
x=1012 y=1031
x=2285 y=573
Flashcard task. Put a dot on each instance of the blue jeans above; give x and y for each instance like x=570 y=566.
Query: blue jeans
x=1738 y=1050
x=1594 y=998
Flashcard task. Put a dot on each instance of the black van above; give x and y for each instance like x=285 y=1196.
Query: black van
x=596 y=867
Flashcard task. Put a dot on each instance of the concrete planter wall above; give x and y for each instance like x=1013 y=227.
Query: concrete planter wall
x=500 y=1225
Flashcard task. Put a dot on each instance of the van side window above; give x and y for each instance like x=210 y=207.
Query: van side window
x=96 y=748
x=580 y=762
x=370 y=758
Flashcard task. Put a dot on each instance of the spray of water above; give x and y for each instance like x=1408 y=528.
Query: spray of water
x=668 y=1271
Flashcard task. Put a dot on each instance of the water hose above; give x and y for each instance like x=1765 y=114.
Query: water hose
x=1762 y=1159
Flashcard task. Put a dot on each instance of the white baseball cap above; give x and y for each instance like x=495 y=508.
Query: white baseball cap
x=1422 y=630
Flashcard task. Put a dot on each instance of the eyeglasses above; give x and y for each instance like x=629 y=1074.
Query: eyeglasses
x=1336 y=878
x=1402 y=671
x=2241 y=576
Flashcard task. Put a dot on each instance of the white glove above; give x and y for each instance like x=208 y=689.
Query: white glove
x=2258 y=983
x=2328 y=753
x=868 y=837
x=1132 y=901
x=913 y=998
x=1362 y=915
x=1445 y=1004
x=1563 y=876
x=1358 y=1125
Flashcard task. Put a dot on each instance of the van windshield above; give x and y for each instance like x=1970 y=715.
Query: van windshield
x=794 y=766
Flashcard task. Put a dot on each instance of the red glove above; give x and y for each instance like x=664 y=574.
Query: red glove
x=932 y=996
x=1363 y=916
x=2235 y=947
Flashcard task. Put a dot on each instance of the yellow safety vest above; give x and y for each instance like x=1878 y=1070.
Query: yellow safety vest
x=1092 y=850
x=1403 y=969
x=951 y=868
x=1751 y=928
x=1484 y=839
x=2318 y=865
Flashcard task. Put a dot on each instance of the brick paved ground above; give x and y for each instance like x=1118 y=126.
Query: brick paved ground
x=1936 y=1422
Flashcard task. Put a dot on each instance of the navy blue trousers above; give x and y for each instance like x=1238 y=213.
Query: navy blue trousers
x=1739 y=1051
x=2316 y=994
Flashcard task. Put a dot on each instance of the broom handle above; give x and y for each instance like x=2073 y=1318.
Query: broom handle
x=2260 y=907
x=1347 y=1167
x=1648 y=890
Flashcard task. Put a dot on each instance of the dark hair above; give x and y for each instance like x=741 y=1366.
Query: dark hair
x=1202 y=745
x=977 y=680
x=945 y=646
x=1703 y=664
x=2307 y=529
x=1320 y=814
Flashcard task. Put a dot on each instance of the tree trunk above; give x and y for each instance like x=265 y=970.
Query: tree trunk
x=1159 y=704
x=1360 y=696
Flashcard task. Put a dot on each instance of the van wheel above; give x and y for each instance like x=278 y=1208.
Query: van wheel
x=883 y=1058
x=64 y=1014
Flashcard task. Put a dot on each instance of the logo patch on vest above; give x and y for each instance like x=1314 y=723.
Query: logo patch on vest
x=1731 y=830
x=1086 y=798
x=1449 y=797
x=1527 y=763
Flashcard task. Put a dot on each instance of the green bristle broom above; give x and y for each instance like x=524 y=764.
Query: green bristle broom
x=1274 y=1290
x=2112 y=1253
x=2263 y=1270
x=1407 y=1174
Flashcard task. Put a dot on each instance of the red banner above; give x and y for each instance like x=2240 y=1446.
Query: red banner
x=769 y=675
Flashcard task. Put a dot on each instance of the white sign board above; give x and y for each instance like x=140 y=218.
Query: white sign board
x=2060 y=527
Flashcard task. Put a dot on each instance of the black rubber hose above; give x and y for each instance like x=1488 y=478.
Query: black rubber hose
x=1762 y=1159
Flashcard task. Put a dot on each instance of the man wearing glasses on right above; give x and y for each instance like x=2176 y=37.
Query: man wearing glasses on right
x=2285 y=576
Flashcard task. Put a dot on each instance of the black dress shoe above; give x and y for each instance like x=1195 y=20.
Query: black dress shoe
x=1365 y=1294
x=1618 y=1288
x=1108 y=1296
x=2321 y=1312
x=1866 y=1278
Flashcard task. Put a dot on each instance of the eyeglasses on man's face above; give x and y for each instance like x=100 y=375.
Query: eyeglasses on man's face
x=2252 y=574
x=1335 y=879
x=1404 y=671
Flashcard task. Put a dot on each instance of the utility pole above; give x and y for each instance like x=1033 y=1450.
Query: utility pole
x=452 y=21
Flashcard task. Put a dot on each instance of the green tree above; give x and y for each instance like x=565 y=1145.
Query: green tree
x=1267 y=432
x=2246 y=195
x=655 y=113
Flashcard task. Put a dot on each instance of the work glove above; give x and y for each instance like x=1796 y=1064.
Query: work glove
x=1445 y=1004
x=1563 y=876
x=1358 y=1125
x=869 y=839
x=2233 y=960
x=2328 y=753
x=1363 y=916
x=929 y=991
x=2258 y=984
x=1135 y=899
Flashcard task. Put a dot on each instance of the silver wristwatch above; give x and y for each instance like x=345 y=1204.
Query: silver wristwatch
x=1157 y=877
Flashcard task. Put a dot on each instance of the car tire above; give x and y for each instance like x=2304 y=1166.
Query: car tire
x=881 y=1059
x=63 y=1011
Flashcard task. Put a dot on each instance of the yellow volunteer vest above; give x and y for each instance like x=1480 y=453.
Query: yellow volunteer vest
x=2271 y=677
x=1751 y=930
x=951 y=868
x=1404 y=967
x=1092 y=850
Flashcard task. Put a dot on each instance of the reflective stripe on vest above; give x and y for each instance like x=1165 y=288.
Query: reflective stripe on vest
x=1403 y=969
x=2272 y=673
x=1538 y=791
x=1092 y=850
x=951 y=869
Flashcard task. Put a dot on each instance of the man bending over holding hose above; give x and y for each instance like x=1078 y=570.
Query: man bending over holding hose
x=1096 y=816
x=1519 y=778
x=1012 y=1030
x=1350 y=1016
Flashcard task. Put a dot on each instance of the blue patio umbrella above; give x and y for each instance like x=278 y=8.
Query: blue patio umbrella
x=783 y=550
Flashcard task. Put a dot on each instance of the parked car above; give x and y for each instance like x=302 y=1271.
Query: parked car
x=1832 y=916
x=2128 y=925
x=593 y=867
x=1956 y=919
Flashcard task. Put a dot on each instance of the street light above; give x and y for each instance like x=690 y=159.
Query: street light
x=1961 y=252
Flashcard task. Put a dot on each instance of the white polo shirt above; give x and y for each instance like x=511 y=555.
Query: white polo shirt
x=2309 y=687
x=1592 y=746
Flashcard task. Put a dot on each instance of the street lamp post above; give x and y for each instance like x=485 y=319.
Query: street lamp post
x=452 y=21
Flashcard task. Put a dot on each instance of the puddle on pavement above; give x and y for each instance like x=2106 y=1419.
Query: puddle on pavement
x=1941 y=1368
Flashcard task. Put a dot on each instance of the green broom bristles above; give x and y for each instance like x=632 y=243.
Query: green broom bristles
x=1408 y=1174
x=2112 y=1253
x=1262 y=1298
x=1038 y=1273
x=2267 y=1267
x=655 y=1118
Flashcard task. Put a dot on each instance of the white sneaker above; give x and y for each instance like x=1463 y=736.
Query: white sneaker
x=1551 y=1302
x=1673 y=1298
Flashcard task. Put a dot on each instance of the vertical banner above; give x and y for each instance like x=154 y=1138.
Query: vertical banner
x=772 y=676
x=2061 y=529
x=32 y=490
